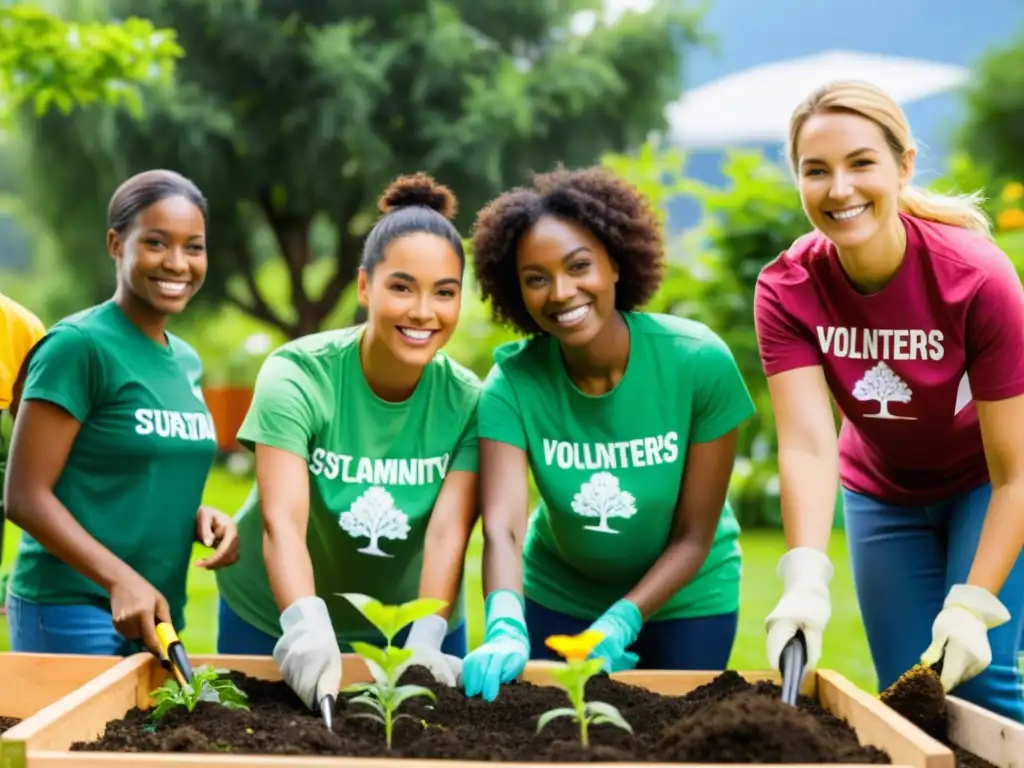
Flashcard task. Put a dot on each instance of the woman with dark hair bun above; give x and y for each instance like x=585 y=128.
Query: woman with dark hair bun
x=113 y=442
x=365 y=442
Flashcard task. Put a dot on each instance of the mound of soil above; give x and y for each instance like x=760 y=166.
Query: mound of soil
x=8 y=722
x=725 y=720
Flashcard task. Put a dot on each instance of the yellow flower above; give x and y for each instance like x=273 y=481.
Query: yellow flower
x=575 y=646
x=1012 y=218
x=1013 y=191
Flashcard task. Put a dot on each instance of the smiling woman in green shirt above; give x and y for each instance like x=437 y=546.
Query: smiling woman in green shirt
x=627 y=420
x=365 y=442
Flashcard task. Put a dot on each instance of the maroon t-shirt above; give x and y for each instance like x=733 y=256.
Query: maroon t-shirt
x=904 y=364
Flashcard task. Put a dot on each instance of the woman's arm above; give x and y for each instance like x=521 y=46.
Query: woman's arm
x=282 y=479
x=706 y=478
x=808 y=455
x=504 y=507
x=1002 y=534
x=42 y=439
x=451 y=525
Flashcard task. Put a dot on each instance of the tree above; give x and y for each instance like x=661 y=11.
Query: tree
x=881 y=383
x=374 y=515
x=601 y=497
x=48 y=62
x=293 y=115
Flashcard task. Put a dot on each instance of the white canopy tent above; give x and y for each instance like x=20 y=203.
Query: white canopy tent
x=754 y=105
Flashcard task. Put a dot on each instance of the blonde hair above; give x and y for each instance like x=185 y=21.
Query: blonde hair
x=870 y=102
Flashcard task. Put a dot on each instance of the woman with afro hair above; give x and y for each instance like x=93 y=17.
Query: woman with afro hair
x=366 y=459
x=628 y=421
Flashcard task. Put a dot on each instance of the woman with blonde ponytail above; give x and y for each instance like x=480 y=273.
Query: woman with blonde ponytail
x=900 y=306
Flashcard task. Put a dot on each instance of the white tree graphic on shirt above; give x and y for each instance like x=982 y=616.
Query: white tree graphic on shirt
x=375 y=516
x=882 y=384
x=601 y=497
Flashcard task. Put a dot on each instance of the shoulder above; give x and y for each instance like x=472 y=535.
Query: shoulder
x=683 y=336
x=17 y=315
x=794 y=270
x=319 y=351
x=182 y=350
x=959 y=256
x=528 y=355
x=456 y=378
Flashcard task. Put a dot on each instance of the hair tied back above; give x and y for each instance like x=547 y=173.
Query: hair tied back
x=418 y=189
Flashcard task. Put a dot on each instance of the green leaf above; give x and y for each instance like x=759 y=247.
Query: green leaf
x=369 y=716
x=367 y=700
x=383 y=617
x=551 y=714
x=404 y=692
x=418 y=609
x=371 y=653
x=602 y=712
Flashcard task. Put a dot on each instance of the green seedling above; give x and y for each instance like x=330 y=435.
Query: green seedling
x=385 y=695
x=207 y=685
x=572 y=676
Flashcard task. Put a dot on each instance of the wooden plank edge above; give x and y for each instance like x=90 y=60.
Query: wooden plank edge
x=988 y=735
x=880 y=726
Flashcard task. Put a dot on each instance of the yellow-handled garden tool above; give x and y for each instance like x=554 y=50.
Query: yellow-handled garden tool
x=172 y=653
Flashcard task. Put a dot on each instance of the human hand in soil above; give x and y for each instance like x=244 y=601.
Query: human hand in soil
x=620 y=626
x=804 y=605
x=505 y=650
x=307 y=653
x=960 y=633
x=217 y=530
x=137 y=607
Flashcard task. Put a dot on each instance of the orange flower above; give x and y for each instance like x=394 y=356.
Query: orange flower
x=571 y=647
x=1012 y=218
x=1013 y=191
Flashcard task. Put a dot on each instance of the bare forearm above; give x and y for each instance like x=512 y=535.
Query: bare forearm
x=808 y=483
x=289 y=567
x=676 y=566
x=444 y=556
x=1002 y=538
x=48 y=521
x=503 y=559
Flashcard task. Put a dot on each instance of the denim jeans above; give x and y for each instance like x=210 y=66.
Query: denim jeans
x=237 y=637
x=904 y=561
x=698 y=643
x=71 y=629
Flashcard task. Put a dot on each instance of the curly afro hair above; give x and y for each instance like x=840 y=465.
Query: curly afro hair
x=611 y=208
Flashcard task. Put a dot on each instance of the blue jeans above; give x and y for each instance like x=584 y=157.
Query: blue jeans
x=237 y=637
x=904 y=561
x=698 y=643
x=72 y=629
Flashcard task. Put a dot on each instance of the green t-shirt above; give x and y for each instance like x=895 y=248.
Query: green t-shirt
x=609 y=469
x=375 y=470
x=135 y=475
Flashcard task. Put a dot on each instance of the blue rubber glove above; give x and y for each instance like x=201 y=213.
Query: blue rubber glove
x=621 y=625
x=505 y=649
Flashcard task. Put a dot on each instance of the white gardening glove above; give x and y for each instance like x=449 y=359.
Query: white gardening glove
x=425 y=638
x=805 y=573
x=960 y=633
x=307 y=653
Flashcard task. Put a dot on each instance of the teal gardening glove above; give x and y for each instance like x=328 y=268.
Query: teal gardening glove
x=620 y=625
x=505 y=649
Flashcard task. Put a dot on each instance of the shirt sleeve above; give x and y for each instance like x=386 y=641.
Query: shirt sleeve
x=783 y=343
x=466 y=458
x=995 y=335
x=499 y=416
x=284 y=412
x=64 y=370
x=721 y=398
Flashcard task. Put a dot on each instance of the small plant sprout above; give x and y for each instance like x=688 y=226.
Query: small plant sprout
x=573 y=675
x=207 y=685
x=384 y=695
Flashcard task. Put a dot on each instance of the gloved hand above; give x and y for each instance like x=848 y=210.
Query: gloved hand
x=425 y=638
x=804 y=605
x=307 y=653
x=505 y=649
x=620 y=625
x=960 y=633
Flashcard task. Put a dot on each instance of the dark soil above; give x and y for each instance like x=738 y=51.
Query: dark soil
x=919 y=697
x=8 y=722
x=727 y=720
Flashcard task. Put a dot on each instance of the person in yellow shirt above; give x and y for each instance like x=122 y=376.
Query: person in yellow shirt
x=19 y=332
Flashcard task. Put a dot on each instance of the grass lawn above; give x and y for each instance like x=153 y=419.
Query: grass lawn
x=845 y=645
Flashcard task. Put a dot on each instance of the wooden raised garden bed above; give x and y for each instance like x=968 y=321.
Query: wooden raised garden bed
x=996 y=739
x=677 y=717
x=30 y=682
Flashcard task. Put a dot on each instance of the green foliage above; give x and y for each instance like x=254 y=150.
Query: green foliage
x=385 y=695
x=207 y=685
x=49 y=62
x=292 y=117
